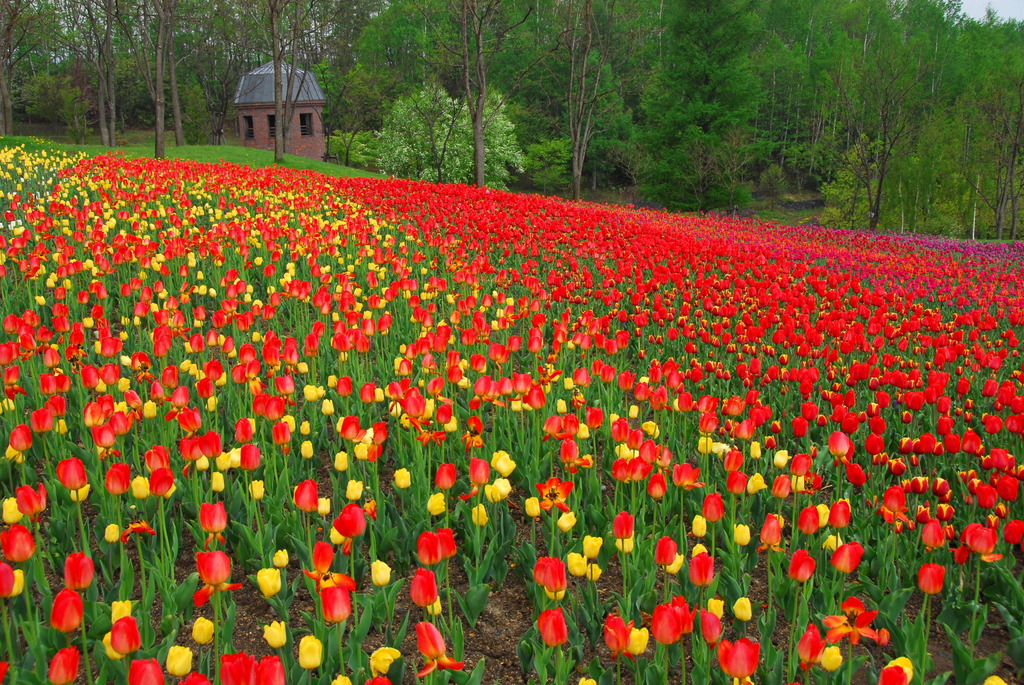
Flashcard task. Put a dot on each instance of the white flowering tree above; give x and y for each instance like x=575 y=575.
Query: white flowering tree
x=428 y=135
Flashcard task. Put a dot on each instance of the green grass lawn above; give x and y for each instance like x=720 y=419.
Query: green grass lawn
x=212 y=154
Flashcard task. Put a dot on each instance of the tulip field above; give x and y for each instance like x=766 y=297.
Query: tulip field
x=265 y=426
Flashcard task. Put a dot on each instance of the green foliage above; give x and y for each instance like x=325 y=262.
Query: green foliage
x=846 y=204
x=547 y=164
x=427 y=135
x=364 y=151
x=195 y=119
x=55 y=98
x=705 y=88
x=773 y=183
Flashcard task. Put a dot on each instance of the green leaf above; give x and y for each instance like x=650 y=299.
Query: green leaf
x=474 y=602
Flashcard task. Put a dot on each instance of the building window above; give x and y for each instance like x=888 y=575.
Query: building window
x=272 y=125
x=306 y=123
x=250 y=128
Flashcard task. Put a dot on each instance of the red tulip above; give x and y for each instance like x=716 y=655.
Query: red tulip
x=550 y=574
x=145 y=672
x=623 y=525
x=445 y=476
x=666 y=625
x=432 y=647
x=616 y=634
x=428 y=549
x=702 y=570
x=307 y=496
x=71 y=473
x=351 y=522
x=714 y=507
x=930 y=578
x=17 y=543
x=665 y=551
x=118 y=479
x=269 y=671
x=807 y=521
x=79 y=570
x=124 y=635
x=801 y=566
x=64 y=666
x=238 y=669
x=31 y=502
x=21 y=438
x=213 y=518
x=739 y=659
x=215 y=572
x=847 y=557
x=552 y=626
x=337 y=604
x=423 y=588
x=710 y=627
x=66 y=613
x=810 y=647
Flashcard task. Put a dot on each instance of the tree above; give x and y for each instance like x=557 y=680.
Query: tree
x=482 y=30
x=16 y=20
x=993 y=109
x=427 y=136
x=149 y=27
x=704 y=88
x=588 y=46
x=881 y=102
x=361 y=99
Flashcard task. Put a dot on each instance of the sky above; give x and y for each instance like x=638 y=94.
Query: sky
x=1007 y=9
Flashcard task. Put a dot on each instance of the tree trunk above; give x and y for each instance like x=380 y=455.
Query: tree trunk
x=179 y=130
x=101 y=103
x=479 y=148
x=275 y=33
x=158 y=87
x=6 y=106
x=577 y=173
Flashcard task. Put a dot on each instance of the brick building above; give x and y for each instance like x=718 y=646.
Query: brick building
x=254 y=103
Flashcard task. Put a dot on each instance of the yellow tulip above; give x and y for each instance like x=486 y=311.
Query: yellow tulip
x=403 y=479
x=716 y=606
x=119 y=610
x=832 y=658
x=437 y=505
x=741 y=534
x=742 y=609
x=269 y=580
x=140 y=487
x=480 y=517
x=179 y=661
x=306 y=449
x=202 y=631
x=354 y=490
x=11 y=513
x=592 y=546
x=577 y=564
x=341 y=463
x=566 y=521
x=276 y=634
x=257 y=489
x=638 y=641
x=699 y=526
x=532 y=506
x=380 y=573
x=311 y=653
x=625 y=545
x=112 y=533
x=281 y=558
x=382 y=658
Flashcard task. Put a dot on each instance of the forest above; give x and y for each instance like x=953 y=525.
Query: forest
x=897 y=115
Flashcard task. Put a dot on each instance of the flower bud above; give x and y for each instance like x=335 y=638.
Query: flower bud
x=276 y=634
x=437 y=505
x=380 y=573
x=269 y=580
x=742 y=609
x=202 y=631
x=112 y=533
x=566 y=521
x=179 y=661
x=403 y=479
x=311 y=653
x=281 y=558
x=532 y=506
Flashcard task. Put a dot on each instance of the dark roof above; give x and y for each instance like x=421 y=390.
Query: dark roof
x=257 y=86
